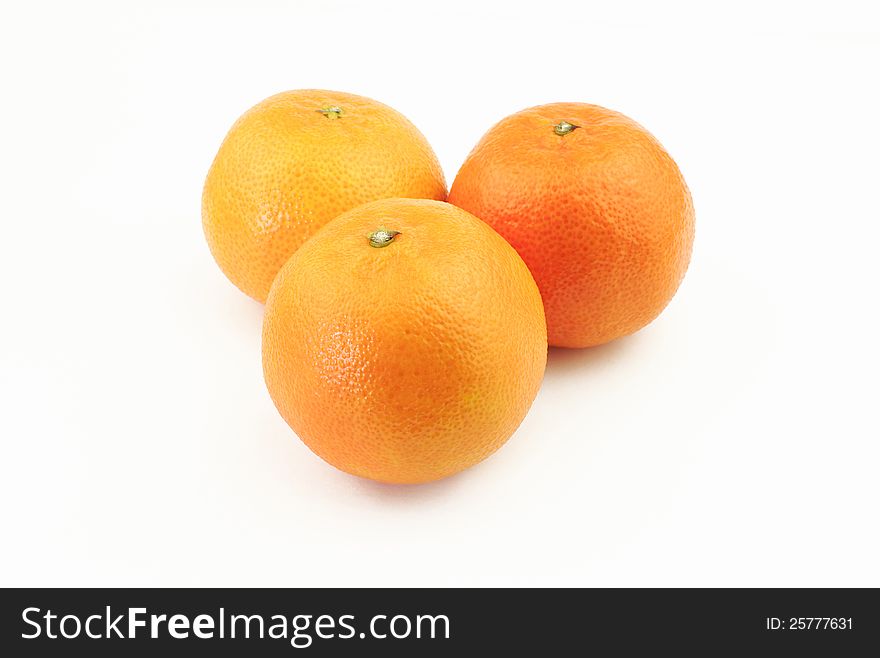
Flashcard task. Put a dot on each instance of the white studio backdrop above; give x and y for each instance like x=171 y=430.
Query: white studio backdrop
x=732 y=442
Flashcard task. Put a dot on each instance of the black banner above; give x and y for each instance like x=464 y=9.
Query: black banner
x=444 y=622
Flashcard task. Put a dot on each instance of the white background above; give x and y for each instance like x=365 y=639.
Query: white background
x=732 y=442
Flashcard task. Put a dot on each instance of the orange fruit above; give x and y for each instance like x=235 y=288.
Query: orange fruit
x=595 y=206
x=405 y=341
x=294 y=162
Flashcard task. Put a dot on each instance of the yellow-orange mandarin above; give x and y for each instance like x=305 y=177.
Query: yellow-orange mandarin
x=294 y=162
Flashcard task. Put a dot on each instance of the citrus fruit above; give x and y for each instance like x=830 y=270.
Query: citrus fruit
x=595 y=206
x=405 y=341
x=297 y=160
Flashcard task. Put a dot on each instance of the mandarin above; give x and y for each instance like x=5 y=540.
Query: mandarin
x=595 y=206
x=294 y=162
x=405 y=341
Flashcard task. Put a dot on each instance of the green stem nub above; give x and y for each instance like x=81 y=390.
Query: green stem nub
x=382 y=238
x=563 y=128
x=331 y=111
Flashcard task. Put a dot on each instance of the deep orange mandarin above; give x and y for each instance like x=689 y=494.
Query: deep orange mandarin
x=595 y=206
